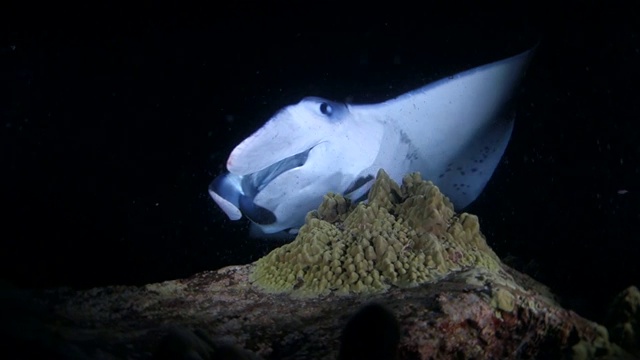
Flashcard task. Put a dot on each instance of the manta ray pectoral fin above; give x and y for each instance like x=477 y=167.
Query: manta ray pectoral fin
x=226 y=191
x=457 y=127
x=466 y=175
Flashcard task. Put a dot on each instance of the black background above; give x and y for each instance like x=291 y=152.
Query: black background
x=114 y=120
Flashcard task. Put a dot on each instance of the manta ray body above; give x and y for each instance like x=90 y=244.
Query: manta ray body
x=453 y=131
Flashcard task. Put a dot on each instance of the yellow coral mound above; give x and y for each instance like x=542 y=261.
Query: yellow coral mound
x=403 y=236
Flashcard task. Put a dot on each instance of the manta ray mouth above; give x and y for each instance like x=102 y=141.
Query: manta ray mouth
x=255 y=182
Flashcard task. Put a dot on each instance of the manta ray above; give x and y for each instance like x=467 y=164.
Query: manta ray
x=453 y=131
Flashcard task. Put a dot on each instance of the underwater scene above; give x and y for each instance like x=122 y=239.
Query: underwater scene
x=307 y=182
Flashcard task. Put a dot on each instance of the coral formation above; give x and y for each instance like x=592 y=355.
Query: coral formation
x=402 y=236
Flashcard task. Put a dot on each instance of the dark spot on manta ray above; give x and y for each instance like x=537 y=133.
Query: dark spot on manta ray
x=404 y=138
x=462 y=173
x=474 y=169
x=412 y=156
x=441 y=176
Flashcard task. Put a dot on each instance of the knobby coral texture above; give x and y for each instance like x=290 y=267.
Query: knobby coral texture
x=402 y=236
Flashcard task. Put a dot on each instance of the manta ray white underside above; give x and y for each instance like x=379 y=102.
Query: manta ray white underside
x=453 y=131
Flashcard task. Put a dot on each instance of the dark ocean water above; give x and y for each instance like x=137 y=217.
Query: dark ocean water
x=113 y=124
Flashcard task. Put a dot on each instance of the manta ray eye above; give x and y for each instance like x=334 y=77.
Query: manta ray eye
x=326 y=109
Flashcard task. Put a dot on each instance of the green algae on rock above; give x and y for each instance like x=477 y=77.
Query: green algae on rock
x=403 y=236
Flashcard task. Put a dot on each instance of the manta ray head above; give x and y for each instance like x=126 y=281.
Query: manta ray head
x=282 y=171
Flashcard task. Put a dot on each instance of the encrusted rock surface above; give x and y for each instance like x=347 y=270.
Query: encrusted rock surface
x=448 y=319
x=450 y=294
